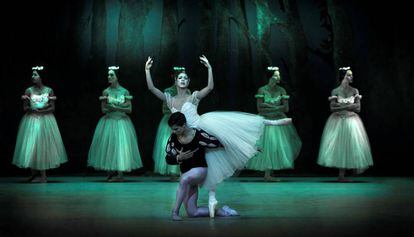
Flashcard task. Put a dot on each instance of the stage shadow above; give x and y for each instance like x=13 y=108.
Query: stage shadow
x=348 y=182
x=48 y=181
x=264 y=181
x=125 y=181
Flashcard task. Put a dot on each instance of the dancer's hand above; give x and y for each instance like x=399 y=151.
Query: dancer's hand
x=25 y=97
x=185 y=155
x=104 y=97
x=204 y=61
x=149 y=63
x=34 y=110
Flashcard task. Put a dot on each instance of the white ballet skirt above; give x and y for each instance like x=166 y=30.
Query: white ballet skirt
x=238 y=132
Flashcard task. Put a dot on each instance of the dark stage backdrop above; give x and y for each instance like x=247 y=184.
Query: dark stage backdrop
x=77 y=40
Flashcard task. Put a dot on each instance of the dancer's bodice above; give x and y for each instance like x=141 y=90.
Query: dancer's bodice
x=346 y=100
x=272 y=98
x=189 y=108
x=40 y=99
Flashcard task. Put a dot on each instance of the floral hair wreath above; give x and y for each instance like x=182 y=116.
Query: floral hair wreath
x=113 y=68
x=273 y=68
x=344 y=68
x=37 y=68
x=179 y=68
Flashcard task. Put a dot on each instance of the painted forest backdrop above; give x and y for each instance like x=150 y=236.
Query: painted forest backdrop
x=77 y=40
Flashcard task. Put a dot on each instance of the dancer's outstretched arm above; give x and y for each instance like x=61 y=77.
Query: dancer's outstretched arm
x=150 y=84
x=210 y=85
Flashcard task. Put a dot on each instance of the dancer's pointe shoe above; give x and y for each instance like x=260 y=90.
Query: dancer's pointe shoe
x=212 y=207
x=229 y=211
x=176 y=217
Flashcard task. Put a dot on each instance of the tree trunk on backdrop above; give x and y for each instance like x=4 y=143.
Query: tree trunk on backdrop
x=169 y=44
x=245 y=81
x=265 y=20
x=97 y=53
x=343 y=39
x=130 y=49
x=297 y=46
x=207 y=26
x=222 y=51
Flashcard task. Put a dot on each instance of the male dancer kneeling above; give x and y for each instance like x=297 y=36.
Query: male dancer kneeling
x=186 y=147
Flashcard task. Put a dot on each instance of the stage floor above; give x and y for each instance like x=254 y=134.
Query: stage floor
x=297 y=206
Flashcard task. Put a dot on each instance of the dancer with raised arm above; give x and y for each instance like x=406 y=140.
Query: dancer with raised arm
x=238 y=132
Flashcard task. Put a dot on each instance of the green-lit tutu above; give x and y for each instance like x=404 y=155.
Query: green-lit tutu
x=280 y=147
x=160 y=165
x=39 y=144
x=345 y=143
x=114 y=145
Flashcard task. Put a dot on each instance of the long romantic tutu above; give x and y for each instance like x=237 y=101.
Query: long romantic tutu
x=39 y=144
x=160 y=165
x=345 y=143
x=280 y=147
x=114 y=145
x=239 y=133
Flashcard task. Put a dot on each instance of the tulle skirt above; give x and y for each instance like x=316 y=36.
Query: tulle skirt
x=163 y=134
x=114 y=145
x=345 y=143
x=280 y=146
x=39 y=144
x=239 y=133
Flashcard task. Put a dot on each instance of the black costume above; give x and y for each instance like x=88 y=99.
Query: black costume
x=201 y=141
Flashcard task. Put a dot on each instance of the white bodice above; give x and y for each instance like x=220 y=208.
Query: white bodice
x=345 y=100
x=39 y=101
x=120 y=99
x=348 y=100
x=189 y=108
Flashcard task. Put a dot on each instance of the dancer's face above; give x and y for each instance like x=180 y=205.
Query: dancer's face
x=112 y=77
x=36 y=77
x=349 y=76
x=275 y=79
x=178 y=130
x=182 y=80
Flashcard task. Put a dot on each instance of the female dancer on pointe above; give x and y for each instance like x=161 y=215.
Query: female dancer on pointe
x=238 y=132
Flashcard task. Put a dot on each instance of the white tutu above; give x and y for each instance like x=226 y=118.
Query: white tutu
x=238 y=132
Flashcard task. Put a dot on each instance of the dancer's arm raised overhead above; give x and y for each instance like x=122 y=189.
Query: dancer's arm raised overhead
x=150 y=84
x=210 y=85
